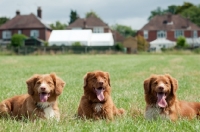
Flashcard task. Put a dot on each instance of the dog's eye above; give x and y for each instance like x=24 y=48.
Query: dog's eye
x=166 y=82
x=38 y=82
x=49 y=83
x=155 y=83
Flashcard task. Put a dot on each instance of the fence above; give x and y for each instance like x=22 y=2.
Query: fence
x=57 y=49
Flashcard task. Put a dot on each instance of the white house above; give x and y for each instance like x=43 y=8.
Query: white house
x=85 y=37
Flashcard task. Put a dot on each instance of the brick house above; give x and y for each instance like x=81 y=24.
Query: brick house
x=92 y=22
x=169 y=27
x=29 y=25
x=96 y=25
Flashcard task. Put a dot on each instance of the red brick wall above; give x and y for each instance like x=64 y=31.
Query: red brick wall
x=188 y=33
x=171 y=35
x=48 y=33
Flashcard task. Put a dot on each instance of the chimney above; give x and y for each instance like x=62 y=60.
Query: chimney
x=84 y=23
x=39 y=12
x=17 y=12
x=169 y=17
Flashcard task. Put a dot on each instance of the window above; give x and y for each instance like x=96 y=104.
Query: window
x=195 y=34
x=178 y=33
x=146 y=34
x=19 y=31
x=161 y=34
x=34 y=33
x=6 y=35
x=98 y=30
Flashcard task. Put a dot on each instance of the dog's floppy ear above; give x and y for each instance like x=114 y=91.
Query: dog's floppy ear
x=31 y=83
x=108 y=76
x=85 y=79
x=87 y=75
x=147 y=84
x=174 y=83
x=58 y=82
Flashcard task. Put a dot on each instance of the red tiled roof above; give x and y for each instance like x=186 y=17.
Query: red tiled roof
x=117 y=36
x=170 y=22
x=91 y=21
x=24 y=21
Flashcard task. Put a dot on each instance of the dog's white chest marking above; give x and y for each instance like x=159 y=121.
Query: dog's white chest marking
x=49 y=112
x=98 y=107
x=154 y=113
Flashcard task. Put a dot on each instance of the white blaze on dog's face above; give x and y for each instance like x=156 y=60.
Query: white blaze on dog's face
x=45 y=87
x=160 y=88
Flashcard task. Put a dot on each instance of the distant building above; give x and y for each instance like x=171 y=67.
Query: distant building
x=96 y=25
x=169 y=27
x=29 y=25
x=92 y=22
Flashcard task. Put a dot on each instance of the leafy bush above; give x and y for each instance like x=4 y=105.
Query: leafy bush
x=18 y=40
x=76 y=44
x=119 y=46
x=181 y=42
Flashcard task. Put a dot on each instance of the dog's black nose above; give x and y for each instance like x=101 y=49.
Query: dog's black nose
x=160 y=87
x=100 y=83
x=43 y=88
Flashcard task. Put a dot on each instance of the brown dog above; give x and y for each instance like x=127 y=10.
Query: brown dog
x=96 y=103
x=41 y=100
x=162 y=102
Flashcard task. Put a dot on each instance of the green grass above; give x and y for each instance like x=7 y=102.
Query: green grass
x=127 y=74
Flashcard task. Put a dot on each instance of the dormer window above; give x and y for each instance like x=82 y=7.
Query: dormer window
x=161 y=34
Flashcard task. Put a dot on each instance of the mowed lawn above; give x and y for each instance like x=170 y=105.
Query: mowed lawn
x=127 y=73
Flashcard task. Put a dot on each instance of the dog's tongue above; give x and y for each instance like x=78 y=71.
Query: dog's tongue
x=161 y=100
x=99 y=93
x=43 y=97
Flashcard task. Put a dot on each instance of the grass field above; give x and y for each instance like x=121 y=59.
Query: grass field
x=127 y=74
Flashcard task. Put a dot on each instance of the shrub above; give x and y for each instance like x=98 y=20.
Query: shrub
x=181 y=42
x=76 y=44
x=119 y=47
x=18 y=40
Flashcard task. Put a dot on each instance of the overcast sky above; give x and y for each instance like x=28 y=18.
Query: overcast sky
x=132 y=13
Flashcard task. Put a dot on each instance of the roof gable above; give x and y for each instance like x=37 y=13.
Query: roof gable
x=91 y=21
x=24 y=21
x=170 y=22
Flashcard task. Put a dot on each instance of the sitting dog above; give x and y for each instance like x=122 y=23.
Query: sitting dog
x=41 y=100
x=96 y=102
x=162 y=102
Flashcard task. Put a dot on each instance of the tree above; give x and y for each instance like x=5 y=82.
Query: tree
x=18 y=40
x=58 y=26
x=192 y=13
x=185 y=6
x=124 y=30
x=155 y=12
x=91 y=13
x=3 y=20
x=73 y=16
x=143 y=45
